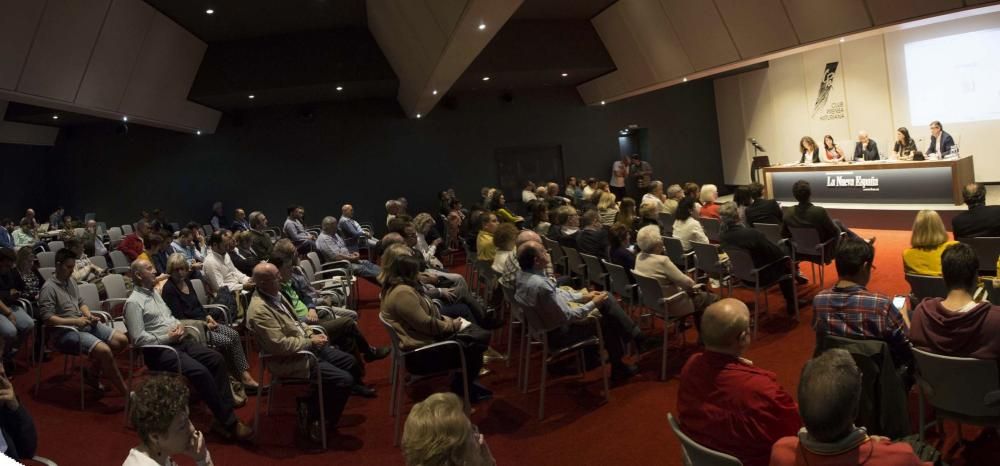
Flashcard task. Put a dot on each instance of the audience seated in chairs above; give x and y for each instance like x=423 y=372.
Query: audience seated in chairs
x=6 y=241
x=331 y=247
x=556 y=308
x=742 y=199
x=850 y=310
x=627 y=215
x=709 y=208
x=762 y=210
x=829 y=394
x=18 y=437
x=180 y=297
x=157 y=251
x=350 y=230
x=620 y=241
x=15 y=323
x=281 y=335
x=655 y=196
x=92 y=243
x=540 y=217
x=762 y=251
x=980 y=220
x=806 y=215
x=218 y=218
x=505 y=242
x=957 y=325
x=134 y=244
x=724 y=402
x=652 y=262
x=428 y=239
x=59 y=303
x=85 y=270
x=218 y=269
x=418 y=322
x=293 y=229
x=184 y=244
x=160 y=416
x=485 y=250
x=26 y=267
x=437 y=432
x=593 y=237
x=687 y=228
x=25 y=237
x=566 y=228
x=693 y=191
x=674 y=195
x=261 y=242
x=243 y=255
x=928 y=242
x=240 y=222
x=150 y=322
x=499 y=207
x=607 y=208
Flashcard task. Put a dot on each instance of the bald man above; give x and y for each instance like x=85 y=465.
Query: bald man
x=280 y=334
x=724 y=402
x=240 y=222
x=150 y=322
x=351 y=231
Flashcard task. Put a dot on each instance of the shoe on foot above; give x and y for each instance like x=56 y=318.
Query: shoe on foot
x=238 y=431
x=363 y=391
x=374 y=354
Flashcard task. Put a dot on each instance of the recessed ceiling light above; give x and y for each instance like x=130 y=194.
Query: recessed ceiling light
x=209 y=11
x=340 y=88
x=602 y=102
x=419 y=115
x=55 y=117
x=685 y=80
x=251 y=96
x=434 y=92
x=482 y=26
x=565 y=74
x=486 y=78
x=125 y=118
x=198 y=132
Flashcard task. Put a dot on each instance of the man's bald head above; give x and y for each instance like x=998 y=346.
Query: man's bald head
x=723 y=324
x=529 y=254
x=527 y=235
x=391 y=238
x=265 y=276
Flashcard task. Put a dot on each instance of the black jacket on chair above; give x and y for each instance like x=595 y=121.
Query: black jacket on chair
x=978 y=221
x=764 y=211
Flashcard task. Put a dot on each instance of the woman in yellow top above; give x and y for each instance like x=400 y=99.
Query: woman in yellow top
x=499 y=206
x=929 y=240
x=485 y=249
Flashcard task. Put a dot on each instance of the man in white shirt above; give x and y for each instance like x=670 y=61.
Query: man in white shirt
x=655 y=196
x=528 y=193
x=619 y=171
x=218 y=268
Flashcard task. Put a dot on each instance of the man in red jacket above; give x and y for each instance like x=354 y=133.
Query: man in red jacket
x=133 y=244
x=726 y=403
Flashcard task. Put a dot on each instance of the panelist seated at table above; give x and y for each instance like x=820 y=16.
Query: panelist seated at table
x=941 y=142
x=809 y=150
x=831 y=151
x=905 y=148
x=865 y=148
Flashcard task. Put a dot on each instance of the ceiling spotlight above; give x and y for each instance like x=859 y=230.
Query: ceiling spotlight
x=684 y=80
x=602 y=102
x=125 y=118
x=486 y=78
x=841 y=40
x=55 y=117
x=209 y=11
x=482 y=26
x=434 y=92
x=565 y=74
x=340 y=88
x=419 y=115
x=251 y=96
x=198 y=132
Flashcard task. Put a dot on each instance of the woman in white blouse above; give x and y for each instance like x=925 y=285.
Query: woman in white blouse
x=160 y=416
x=424 y=223
x=687 y=228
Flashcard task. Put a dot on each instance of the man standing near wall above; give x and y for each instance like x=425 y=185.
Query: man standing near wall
x=639 y=174
x=619 y=171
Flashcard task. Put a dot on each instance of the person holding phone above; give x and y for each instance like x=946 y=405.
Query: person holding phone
x=160 y=416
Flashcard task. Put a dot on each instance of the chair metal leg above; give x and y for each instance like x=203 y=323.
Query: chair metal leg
x=394 y=379
x=756 y=306
x=527 y=365
x=541 y=393
x=256 y=412
x=510 y=340
x=397 y=400
x=322 y=410
x=663 y=363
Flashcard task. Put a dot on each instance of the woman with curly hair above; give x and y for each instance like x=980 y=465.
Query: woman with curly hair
x=160 y=416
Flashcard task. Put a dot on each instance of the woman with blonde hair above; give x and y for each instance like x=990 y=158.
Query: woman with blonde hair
x=438 y=433
x=606 y=208
x=928 y=241
x=627 y=214
x=428 y=238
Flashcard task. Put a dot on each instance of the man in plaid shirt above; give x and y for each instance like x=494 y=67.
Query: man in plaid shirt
x=850 y=310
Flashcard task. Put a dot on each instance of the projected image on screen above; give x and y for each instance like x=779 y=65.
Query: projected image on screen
x=954 y=78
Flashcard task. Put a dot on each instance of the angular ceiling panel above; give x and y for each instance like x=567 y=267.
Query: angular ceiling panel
x=701 y=32
x=757 y=26
x=115 y=55
x=822 y=20
x=633 y=69
x=890 y=11
x=17 y=29
x=655 y=38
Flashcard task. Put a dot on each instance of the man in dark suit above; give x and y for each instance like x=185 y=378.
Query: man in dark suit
x=762 y=210
x=592 y=238
x=866 y=148
x=981 y=219
x=941 y=142
x=736 y=235
x=806 y=215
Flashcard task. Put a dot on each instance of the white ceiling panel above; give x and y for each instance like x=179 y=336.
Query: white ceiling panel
x=701 y=32
x=815 y=20
x=757 y=26
x=890 y=11
x=17 y=29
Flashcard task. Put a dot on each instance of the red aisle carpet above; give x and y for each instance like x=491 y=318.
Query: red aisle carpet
x=578 y=430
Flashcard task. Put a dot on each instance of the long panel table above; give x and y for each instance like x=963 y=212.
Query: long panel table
x=877 y=182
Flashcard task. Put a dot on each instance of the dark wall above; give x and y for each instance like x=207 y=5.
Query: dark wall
x=365 y=152
x=27 y=176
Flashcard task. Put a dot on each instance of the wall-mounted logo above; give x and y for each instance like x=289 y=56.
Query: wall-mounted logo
x=829 y=103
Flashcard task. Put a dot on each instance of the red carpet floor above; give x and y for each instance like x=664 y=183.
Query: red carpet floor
x=579 y=428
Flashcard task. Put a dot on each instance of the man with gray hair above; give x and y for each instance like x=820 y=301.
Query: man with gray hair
x=725 y=402
x=392 y=209
x=865 y=148
x=655 y=196
x=651 y=262
x=829 y=397
x=260 y=242
x=331 y=247
x=762 y=251
x=674 y=195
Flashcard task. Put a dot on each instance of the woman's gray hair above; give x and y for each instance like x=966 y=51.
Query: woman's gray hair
x=729 y=213
x=648 y=237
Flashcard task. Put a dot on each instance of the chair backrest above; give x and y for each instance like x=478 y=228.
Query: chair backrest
x=114 y=286
x=119 y=259
x=99 y=261
x=515 y=309
x=617 y=277
x=741 y=264
x=127 y=229
x=91 y=297
x=575 y=262
x=199 y=290
x=805 y=240
x=114 y=235
x=393 y=337
x=694 y=454
x=925 y=286
x=307 y=269
x=964 y=395
x=987 y=249
x=666 y=221
x=55 y=246
x=650 y=293
x=706 y=256
x=314 y=258
x=556 y=251
x=674 y=249
x=208 y=230
x=47 y=272
x=712 y=227
x=770 y=230
x=595 y=270
x=46 y=259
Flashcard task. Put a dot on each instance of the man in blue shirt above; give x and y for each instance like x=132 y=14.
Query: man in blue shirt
x=6 y=241
x=558 y=309
x=350 y=230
